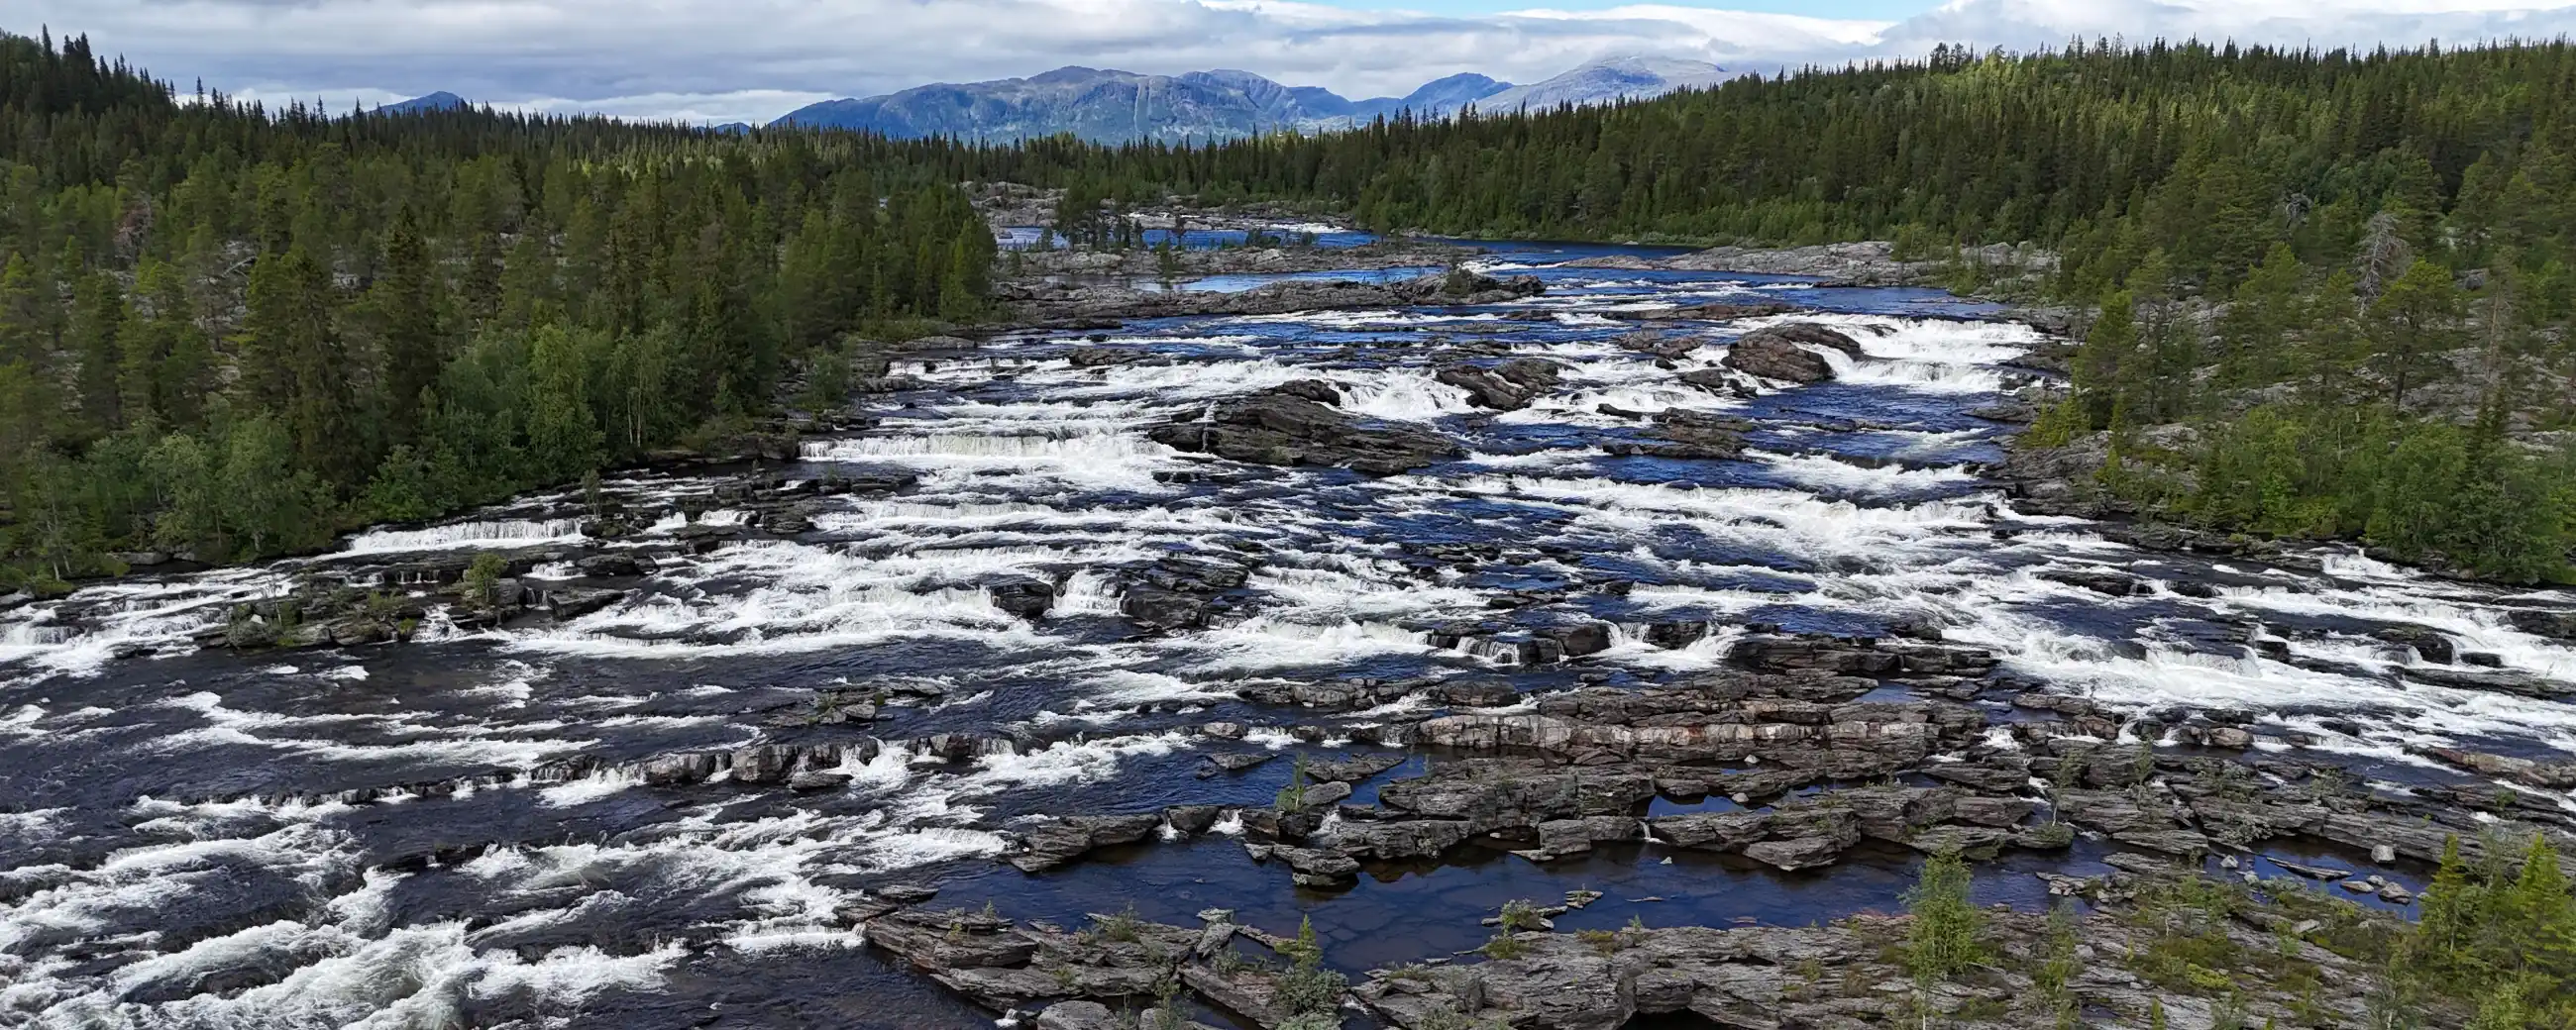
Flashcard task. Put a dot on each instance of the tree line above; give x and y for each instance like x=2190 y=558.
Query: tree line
x=2354 y=270
x=230 y=332
x=2350 y=271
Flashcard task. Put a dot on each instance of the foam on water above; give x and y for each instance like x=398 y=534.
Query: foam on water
x=1034 y=471
x=463 y=535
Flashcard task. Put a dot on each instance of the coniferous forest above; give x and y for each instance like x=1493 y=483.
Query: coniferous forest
x=2349 y=276
x=229 y=329
x=232 y=332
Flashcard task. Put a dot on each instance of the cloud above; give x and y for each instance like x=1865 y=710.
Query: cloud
x=751 y=60
x=2026 y=24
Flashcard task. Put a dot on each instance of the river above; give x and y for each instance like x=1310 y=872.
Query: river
x=212 y=839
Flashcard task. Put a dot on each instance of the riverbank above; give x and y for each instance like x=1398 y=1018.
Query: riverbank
x=1602 y=597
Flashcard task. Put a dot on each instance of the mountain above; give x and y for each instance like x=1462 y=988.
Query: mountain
x=1098 y=105
x=1116 y=106
x=1601 y=82
x=439 y=101
x=1441 y=98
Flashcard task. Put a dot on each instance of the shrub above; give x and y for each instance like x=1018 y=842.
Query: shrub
x=1943 y=938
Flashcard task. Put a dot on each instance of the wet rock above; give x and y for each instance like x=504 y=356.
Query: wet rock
x=1774 y=352
x=615 y=566
x=1352 y=770
x=1714 y=380
x=1590 y=638
x=1058 y=842
x=2556 y=625
x=1809 y=333
x=1321 y=795
x=1102 y=357
x=566 y=603
x=1490 y=795
x=816 y=780
x=1848 y=658
x=2100 y=581
x=1796 y=853
x=1026 y=598
x=1154 y=608
x=1316 y=390
x=1274 y=428
x=2495 y=680
x=1077 y=1015
x=1682 y=434
x=1317 y=868
x=1232 y=762
x=2313 y=872
x=2546 y=775
x=1563 y=838
x=2430 y=644
x=1192 y=819
x=1510 y=387
x=680 y=769
x=1660 y=344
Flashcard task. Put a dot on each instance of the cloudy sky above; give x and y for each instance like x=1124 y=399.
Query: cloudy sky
x=752 y=60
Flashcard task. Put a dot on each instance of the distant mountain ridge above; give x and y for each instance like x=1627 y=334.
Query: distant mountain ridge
x=439 y=101
x=1115 y=106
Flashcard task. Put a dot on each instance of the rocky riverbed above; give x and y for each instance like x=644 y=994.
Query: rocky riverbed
x=1664 y=619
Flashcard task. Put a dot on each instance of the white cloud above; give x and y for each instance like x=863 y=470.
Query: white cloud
x=751 y=60
x=2326 y=24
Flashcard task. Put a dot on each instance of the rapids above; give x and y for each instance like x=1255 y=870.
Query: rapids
x=210 y=839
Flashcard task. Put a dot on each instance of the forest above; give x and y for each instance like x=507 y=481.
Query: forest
x=2333 y=288
x=232 y=332
x=2346 y=276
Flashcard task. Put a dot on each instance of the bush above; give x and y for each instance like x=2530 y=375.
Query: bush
x=482 y=582
x=1307 y=987
x=1943 y=938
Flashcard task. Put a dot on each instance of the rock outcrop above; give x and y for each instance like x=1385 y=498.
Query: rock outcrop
x=1280 y=428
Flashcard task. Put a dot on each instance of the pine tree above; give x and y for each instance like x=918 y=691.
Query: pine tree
x=406 y=304
x=95 y=340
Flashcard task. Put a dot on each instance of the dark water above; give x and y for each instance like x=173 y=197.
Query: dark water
x=178 y=853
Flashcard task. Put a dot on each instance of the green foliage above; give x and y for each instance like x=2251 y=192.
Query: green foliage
x=1308 y=987
x=1944 y=936
x=827 y=381
x=1125 y=926
x=2189 y=946
x=2496 y=940
x=482 y=580
x=232 y=331
x=2055 y=965
x=2424 y=490
x=1292 y=795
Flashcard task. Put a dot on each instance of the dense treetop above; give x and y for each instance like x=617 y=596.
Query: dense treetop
x=226 y=330
x=2388 y=236
x=229 y=331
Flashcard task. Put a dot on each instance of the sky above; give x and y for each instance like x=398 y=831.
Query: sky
x=753 y=60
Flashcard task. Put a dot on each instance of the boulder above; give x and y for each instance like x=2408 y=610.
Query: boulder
x=1058 y=842
x=1797 y=853
x=1275 y=428
x=2556 y=625
x=2429 y=644
x=1026 y=598
x=1773 y=359
x=1509 y=387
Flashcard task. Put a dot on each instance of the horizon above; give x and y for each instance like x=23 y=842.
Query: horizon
x=713 y=63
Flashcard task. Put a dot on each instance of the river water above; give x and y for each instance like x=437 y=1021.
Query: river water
x=219 y=840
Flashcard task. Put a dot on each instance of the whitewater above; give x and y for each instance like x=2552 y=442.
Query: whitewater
x=459 y=830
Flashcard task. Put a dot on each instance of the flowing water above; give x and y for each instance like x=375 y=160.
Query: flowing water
x=205 y=839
